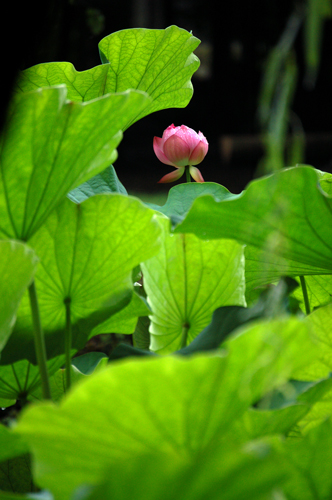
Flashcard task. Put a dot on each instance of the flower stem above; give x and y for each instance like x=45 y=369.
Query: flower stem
x=305 y=295
x=188 y=178
x=39 y=341
x=184 y=335
x=68 y=342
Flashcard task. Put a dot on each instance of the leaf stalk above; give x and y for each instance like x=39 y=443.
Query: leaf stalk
x=39 y=341
x=68 y=342
x=305 y=295
x=188 y=178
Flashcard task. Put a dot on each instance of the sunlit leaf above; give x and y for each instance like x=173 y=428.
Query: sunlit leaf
x=185 y=282
x=181 y=197
x=309 y=460
x=104 y=183
x=152 y=406
x=159 y=62
x=205 y=476
x=21 y=379
x=125 y=320
x=87 y=253
x=286 y=214
x=17 y=267
x=321 y=367
x=49 y=146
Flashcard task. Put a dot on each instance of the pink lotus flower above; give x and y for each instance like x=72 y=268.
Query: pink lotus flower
x=181 y=147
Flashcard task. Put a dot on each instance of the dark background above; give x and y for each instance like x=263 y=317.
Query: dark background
x=236 y=39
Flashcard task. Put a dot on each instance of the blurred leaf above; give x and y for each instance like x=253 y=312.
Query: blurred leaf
x=321 y=323
x=122 y=413
x=321 y=367
x=317 y=12
x=275 y=66
x=159 y=62
x=274 y=137
x=196 y=478
x=309 y=461
x=41 y=495
x=11 y=445
x=286 y=214
x=87 y=253
x=87 y=363
x=123 y=350
x=141 y=335
x=17 y=267
x=49 y=146
x=259 y=423
x=15 y=475
x=185 y=282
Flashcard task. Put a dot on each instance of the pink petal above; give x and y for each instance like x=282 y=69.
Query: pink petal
x=172 y=176
x=196 y=174
x=199 y=153
x=177 y=151
x=169 y=132
x=189 y=136
x=157 y=147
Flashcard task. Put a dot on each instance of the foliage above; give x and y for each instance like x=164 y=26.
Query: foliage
x=223 y=389
x=282 y=131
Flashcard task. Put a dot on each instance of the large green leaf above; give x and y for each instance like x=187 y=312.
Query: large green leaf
x=186 y=281
x=15 y=475
x=310 y=461
x=17 y=267
x=15 y=467
x=230 y=473
x=104 y=183
x=181 y=197
x=159 y=62
x=286 y=214
x=49 y=146
x=281 y=410
x=11 y=445
x=125 y=320
x=87 y=254
x=319 y=289
x=321 y=322
x=58 y=383
x=22 y=379
x=180 y=408
x=263 y=267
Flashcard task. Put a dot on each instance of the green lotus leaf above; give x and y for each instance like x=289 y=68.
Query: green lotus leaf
x=180 y=408
x=158 y=62
x=104 y=183
x=87 y=253
x=185 y=282
x=20 y=380
x=17 y=267
x=309 y=463
x=181 y=197
x=286 y=214
x=51 y=145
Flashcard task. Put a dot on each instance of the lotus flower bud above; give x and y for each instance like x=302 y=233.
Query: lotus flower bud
x=181 y=147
